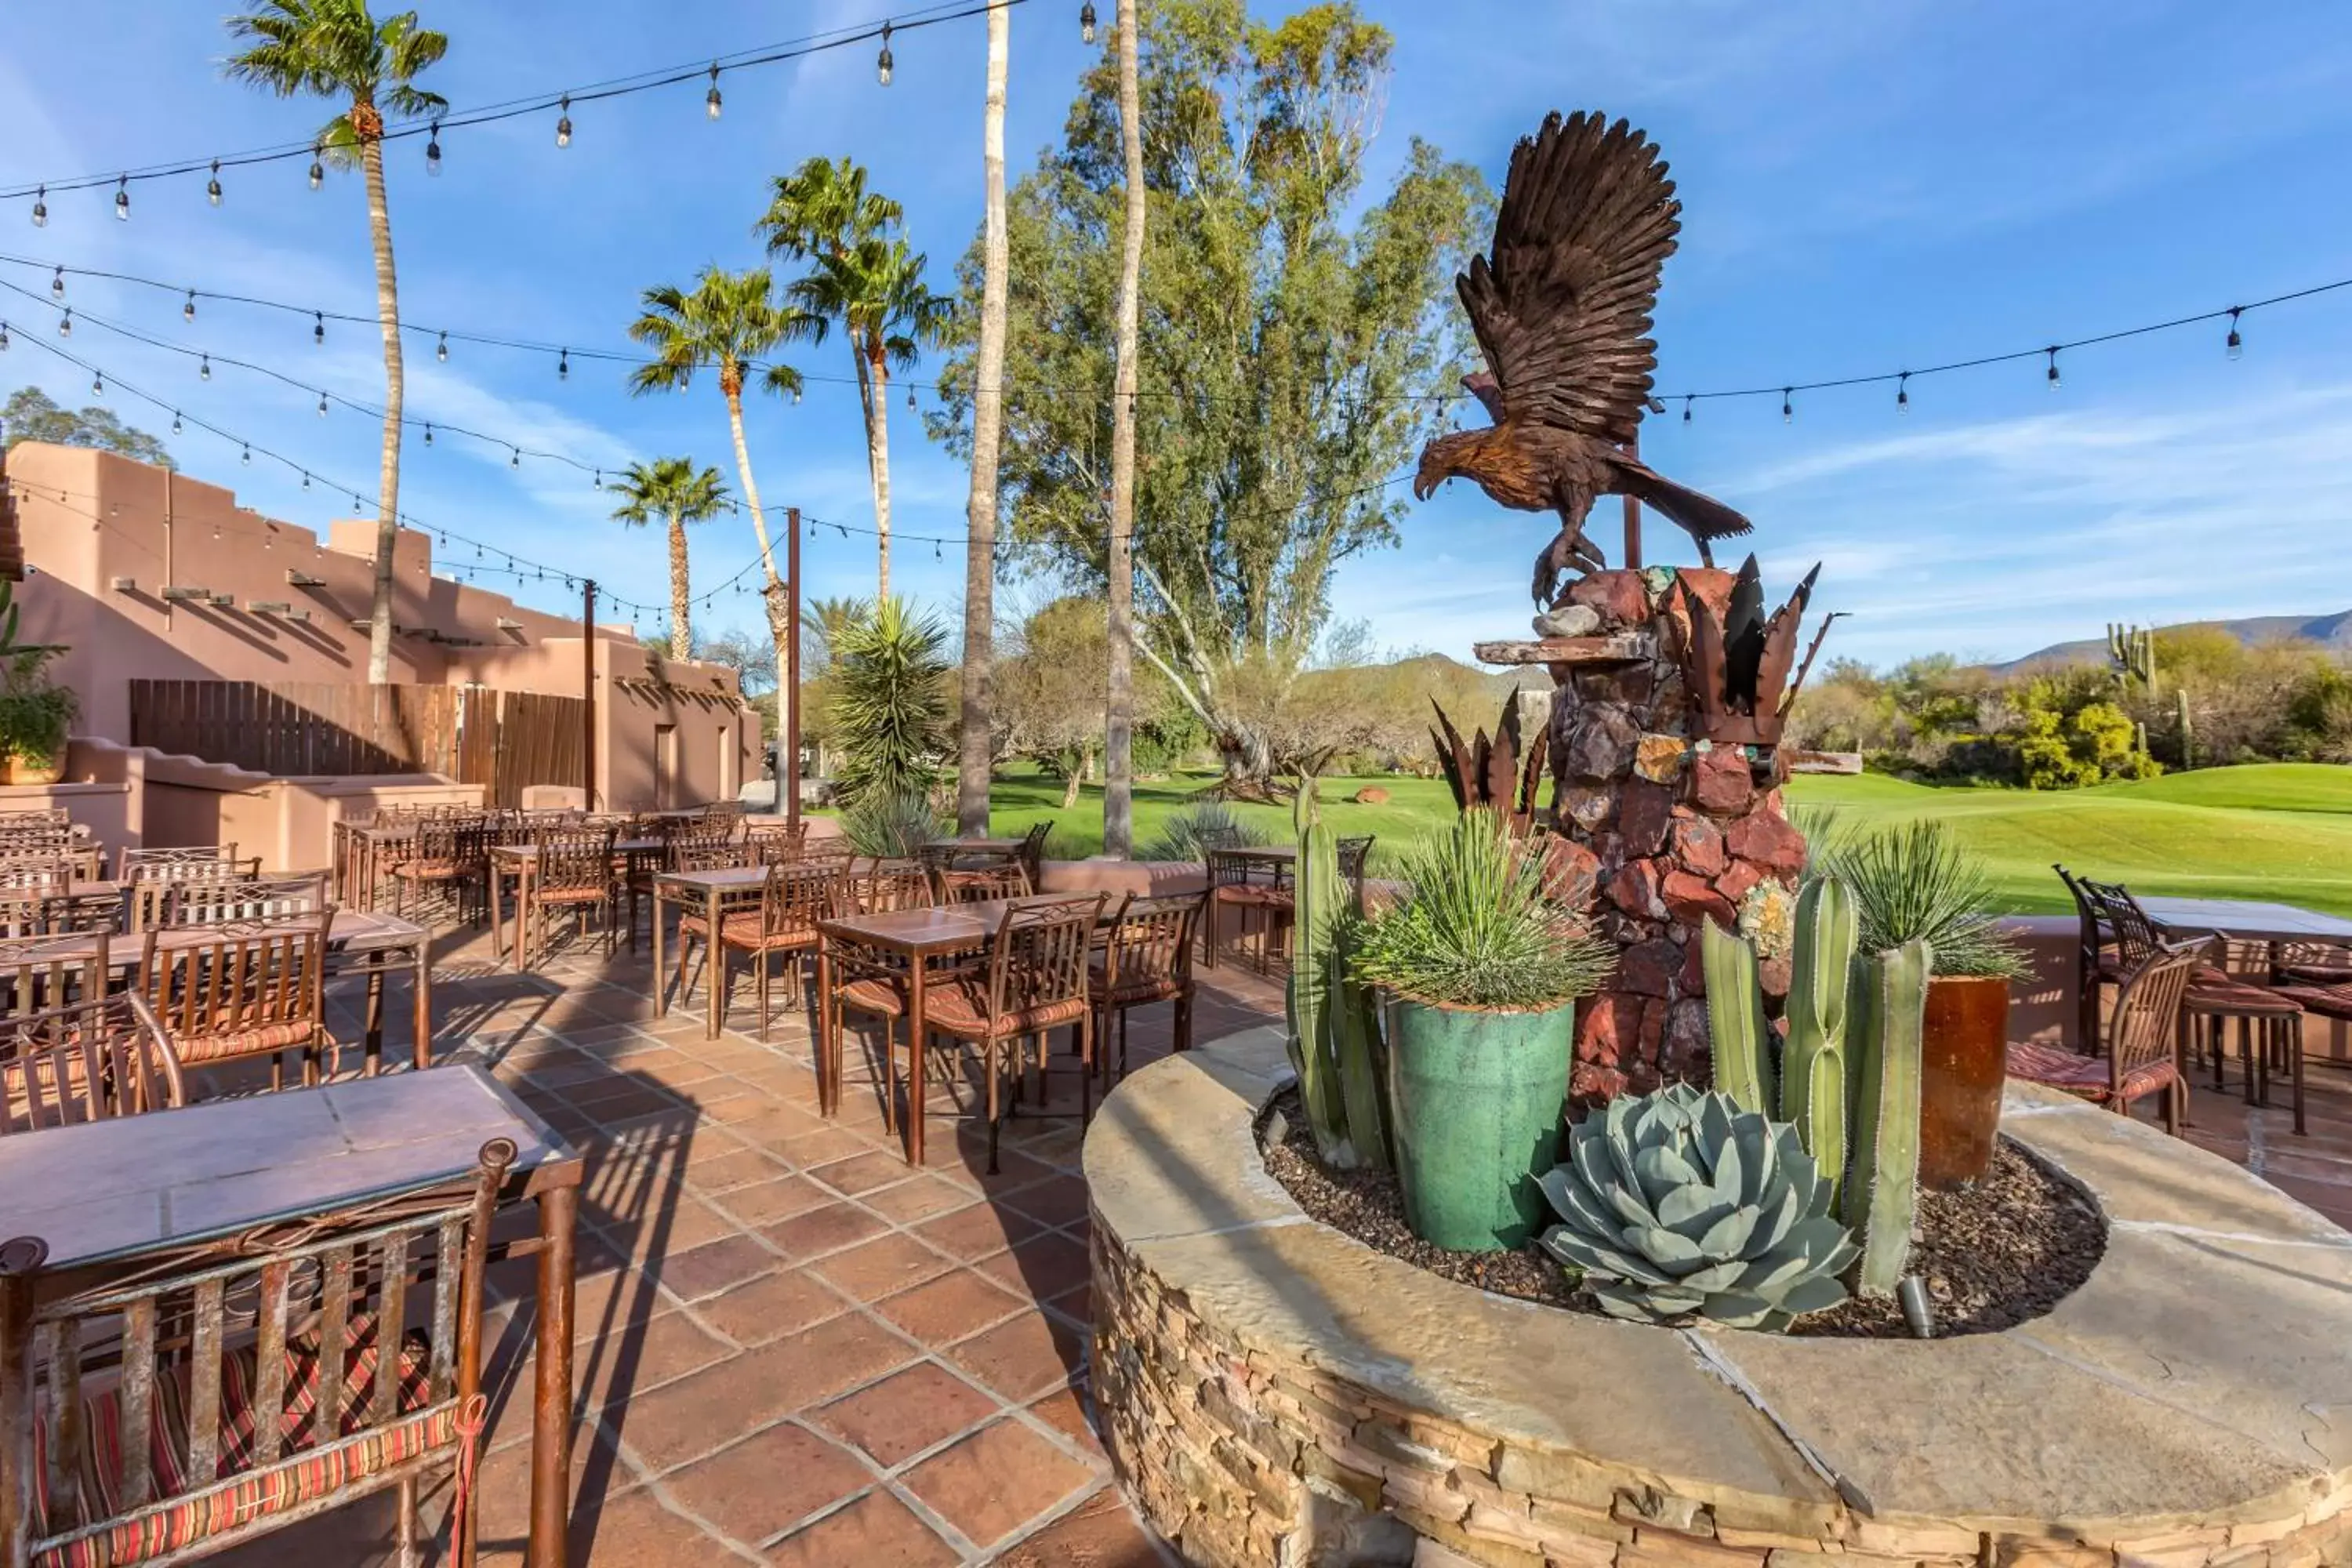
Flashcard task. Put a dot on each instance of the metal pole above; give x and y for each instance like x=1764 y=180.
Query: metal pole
x=1632 y=518
x=588 y=695
x=788 y=761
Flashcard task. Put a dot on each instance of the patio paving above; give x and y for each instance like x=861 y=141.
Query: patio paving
x=795 y=1348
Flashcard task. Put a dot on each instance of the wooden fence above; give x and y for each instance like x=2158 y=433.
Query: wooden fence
x=503 y=741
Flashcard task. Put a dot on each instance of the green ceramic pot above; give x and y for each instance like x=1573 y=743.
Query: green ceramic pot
x=1476 y=1099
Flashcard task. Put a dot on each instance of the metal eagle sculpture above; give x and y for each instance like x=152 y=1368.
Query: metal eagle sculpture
x=1561 y=309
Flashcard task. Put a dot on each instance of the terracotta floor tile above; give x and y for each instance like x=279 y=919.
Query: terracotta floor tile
x=877 y=1531
x=882 y=1267
x=823 y=1144
x=767 y=1483
x=862 y=1171
x=638 y=1357
x=714 y=1266
x=775 y=1200
x=732 y=1170
x=771 y=1307
x=916 y=1199
x=1100 y=1532
x=663 y=1220
x=637 y=1532
x=996 y=1480
x=1054 y=1202
x=720 y=1403
x=1064 y=1410
x=906 y=1413
x=1044 y=1267
x=977 y=1231
x=1023 y=1358
x=950 y=1308
x=825 y=1230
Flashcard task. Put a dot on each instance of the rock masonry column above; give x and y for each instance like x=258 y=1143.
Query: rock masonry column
x=1666 y=830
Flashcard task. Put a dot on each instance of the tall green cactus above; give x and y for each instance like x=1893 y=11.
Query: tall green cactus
x=1735 y=1021
x=1333 y=1029
x=1814 y=1073
x=1890 y=1006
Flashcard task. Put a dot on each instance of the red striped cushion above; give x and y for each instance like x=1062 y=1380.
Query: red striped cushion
x=177 y=1520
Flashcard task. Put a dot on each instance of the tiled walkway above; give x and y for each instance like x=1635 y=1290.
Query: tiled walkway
x=794 y=1348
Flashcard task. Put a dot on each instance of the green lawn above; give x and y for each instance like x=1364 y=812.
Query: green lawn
x=2279 y=831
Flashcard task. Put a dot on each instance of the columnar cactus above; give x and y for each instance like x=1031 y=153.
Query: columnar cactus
x=1735 y=1016
x=1882 y=1196
x=1679 y=1203
x=1814 y=1082
x=1332 y=1023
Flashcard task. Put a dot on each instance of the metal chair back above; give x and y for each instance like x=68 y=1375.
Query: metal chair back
x=2144 y=1027
x=1008 y=881
x=247 y=991
x=262 y=898
x=90 y=1059
x=1039 y=957
x=573 y=860
x=1149 y=942
x=201 y=862
x=887 y=885
x=24 y=913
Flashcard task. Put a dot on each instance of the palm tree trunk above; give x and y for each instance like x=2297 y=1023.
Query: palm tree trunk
x=776 y=595
x=682 y=606
x=877 y=456
x=387 y=528
x=987 y=431
x=1118 y=757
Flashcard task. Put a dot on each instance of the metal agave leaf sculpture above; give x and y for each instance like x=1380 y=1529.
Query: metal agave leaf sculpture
x=1679 y=1203
x=1495 y=774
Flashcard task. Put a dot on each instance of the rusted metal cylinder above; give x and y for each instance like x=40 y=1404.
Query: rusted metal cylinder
x=1959 y=1089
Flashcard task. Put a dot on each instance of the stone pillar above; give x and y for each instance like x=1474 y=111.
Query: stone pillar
x=1666 y=828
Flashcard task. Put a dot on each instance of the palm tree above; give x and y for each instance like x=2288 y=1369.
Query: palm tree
x=335 y=49
x=825 y=209
x=874 y=289
x=987 y=431
x=725 y=325
x=1118 y=770
x=673 y=489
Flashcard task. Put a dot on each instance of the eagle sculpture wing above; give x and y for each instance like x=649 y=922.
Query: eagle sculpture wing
x=1563 y=310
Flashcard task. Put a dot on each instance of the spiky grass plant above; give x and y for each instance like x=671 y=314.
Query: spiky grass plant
x=1181 y=832
x=889 y=710
x=892 y=826
x=1914 y=882
x=1475 y=929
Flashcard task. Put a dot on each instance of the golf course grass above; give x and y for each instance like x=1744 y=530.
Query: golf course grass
x=2279 y=831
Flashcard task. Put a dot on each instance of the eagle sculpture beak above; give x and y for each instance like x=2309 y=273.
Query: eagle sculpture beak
x=1426 y=480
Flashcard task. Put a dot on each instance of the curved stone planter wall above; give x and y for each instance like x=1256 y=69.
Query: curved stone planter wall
x=1276 y=1393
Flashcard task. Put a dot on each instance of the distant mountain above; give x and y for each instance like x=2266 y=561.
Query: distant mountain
x=2330 y=631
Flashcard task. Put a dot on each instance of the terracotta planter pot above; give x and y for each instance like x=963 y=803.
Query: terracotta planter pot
x=1960 y=1079
x=22 y=769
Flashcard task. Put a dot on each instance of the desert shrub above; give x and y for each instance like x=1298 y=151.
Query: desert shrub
x=1180 y=833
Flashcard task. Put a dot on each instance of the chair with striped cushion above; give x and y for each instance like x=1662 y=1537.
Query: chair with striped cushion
x=204 y=1394
x=981 y=884
x=246 y=990
x=29 y=914
x=792 y=899
x=574 y=870
x=886 y=885
x=2141 y=1057
x=261 y=898
x=93 y=1058
x=1146 y=958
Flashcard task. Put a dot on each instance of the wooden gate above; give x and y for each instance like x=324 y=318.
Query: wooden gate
x=502 y=740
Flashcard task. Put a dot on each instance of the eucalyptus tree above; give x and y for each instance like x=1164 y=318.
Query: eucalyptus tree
x=975 y=752
x=337 y=50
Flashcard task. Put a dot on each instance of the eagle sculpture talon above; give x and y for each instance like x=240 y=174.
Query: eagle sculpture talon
x=1569 y=552
x=1561 y=309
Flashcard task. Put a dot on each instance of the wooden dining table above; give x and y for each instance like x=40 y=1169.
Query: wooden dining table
x=914 y=939
x=520 y=861
x=103 y=1195
x=379 y=942
x=687 y=888
x=2246 y=919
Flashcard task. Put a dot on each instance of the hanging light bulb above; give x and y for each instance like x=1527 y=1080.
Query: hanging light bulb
x=428 y=434
x=4 y=337
x=246 y=458
x=58 y=284
x=563 y=124
x=441 y=349
x=910 y=399
x=65 y=324
x=563 y=365
x=317 y=169
x=2234 y=345
x=433 y=150
x=710 y=101
x=203 y=367
x=883 y=62
x=1787 y=409
x=796 y=396
x=188 y=310
x=1687 y=410
x=212 y=186
x=2052 y=376
x=1087 y=22
x=122 y=199
x=96 y=384
x=175 y=421
x=935 y=551
x=322 y=405
x=306 y=479
x=319 y=327
x=599 y=484
x=1902 y=393
x=514 y=458
x=41 y=207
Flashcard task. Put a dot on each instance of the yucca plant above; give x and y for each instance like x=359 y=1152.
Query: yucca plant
x=893 y=826
x=1679 y=1204
x=1916 y=883
x=889 y=708
x=1184 y=832
x=1475 y=929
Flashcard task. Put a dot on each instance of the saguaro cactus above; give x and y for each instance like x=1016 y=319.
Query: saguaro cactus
x=1814 y=1076
x=1332 y=1024
x=1879 y=1203
x=1734 y=1020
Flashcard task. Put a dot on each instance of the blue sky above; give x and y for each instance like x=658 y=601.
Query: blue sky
x=1865 y=187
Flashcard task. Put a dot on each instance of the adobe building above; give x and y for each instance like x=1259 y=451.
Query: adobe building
x=148 y=576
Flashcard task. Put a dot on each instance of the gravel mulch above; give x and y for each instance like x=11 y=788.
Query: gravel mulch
x=1995 y=1254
